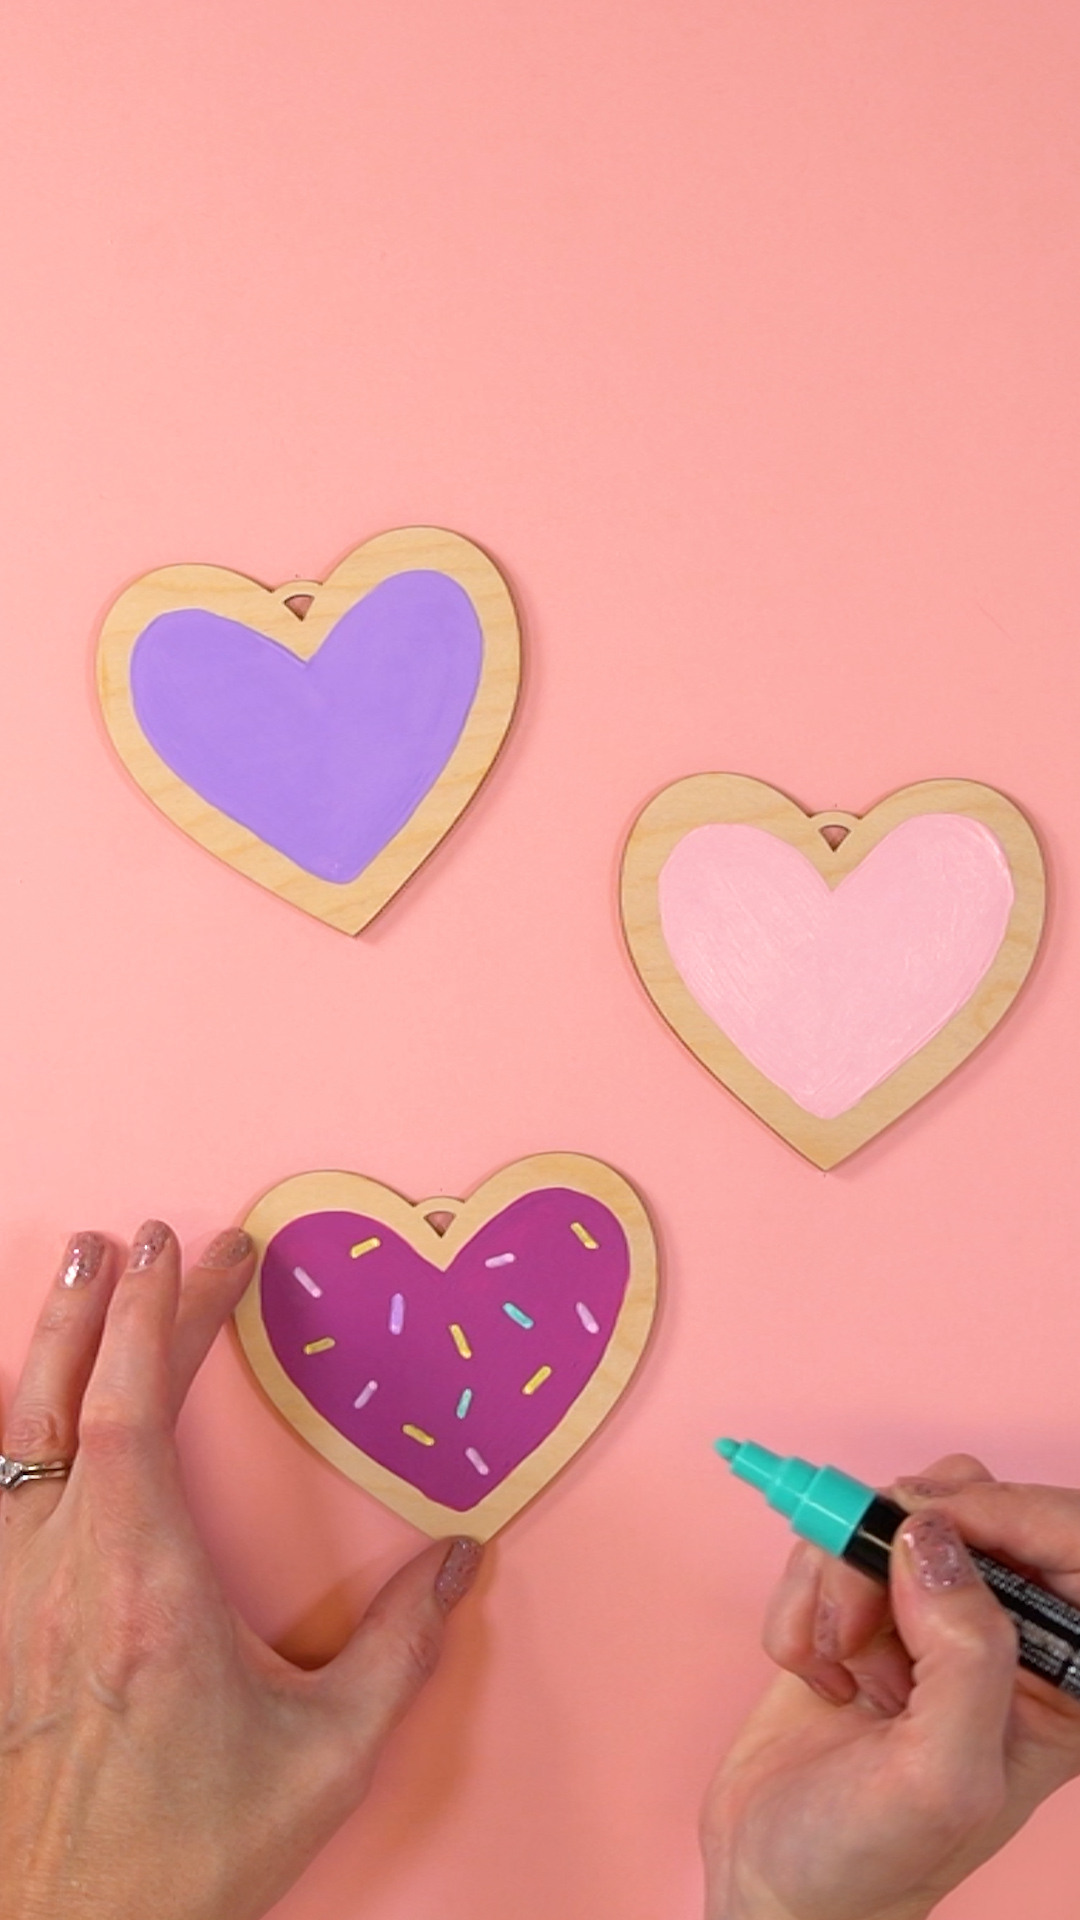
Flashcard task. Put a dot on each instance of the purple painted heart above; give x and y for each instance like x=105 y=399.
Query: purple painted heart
x=321 y=738
x=324 y=759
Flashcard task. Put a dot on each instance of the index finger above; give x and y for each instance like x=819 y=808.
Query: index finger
x=944 y=1477
x=856 y=1606
x=1039 y=1526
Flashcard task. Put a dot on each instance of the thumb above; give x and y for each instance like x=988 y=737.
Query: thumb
x=963 y=1648
x=396 y=1648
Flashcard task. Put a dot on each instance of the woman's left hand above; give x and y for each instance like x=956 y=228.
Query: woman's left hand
x=156 y=1757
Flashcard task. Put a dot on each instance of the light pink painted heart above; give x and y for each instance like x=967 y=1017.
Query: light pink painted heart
x=828 y=991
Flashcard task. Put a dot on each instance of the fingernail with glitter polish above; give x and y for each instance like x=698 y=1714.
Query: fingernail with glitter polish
x=150 y=1241
x=228 y=1249
x=928 y=1489
x=827 y=1630
x=457 y=1573
x=82 y=1260
x=938 y=1554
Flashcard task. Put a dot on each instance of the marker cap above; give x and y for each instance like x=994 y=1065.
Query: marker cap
x=823 y=1504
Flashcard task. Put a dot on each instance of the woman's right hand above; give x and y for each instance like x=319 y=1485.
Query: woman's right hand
x=903 y=1745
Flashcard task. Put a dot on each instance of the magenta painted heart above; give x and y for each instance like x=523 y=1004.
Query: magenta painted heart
x=828 y=990
x=448 y=1378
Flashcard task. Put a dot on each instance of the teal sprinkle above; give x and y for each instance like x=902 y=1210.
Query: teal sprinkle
x=516 y=1314
x=464 y=1403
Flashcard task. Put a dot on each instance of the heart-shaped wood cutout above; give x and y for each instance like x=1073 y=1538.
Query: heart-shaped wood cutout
x=451 y=1356
x=831 y=970
x=322 y=738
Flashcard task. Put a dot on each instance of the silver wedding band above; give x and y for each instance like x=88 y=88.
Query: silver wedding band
x=17 y=1473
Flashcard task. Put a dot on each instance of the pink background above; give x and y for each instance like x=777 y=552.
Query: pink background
x=747 y=337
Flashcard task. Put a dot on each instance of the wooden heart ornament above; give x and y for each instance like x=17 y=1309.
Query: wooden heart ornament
x=831 y=970
x=451 y=1356
x=322 y=738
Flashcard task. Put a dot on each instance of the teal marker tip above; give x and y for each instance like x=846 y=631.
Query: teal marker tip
x=851 y=1520
x=822 y=1504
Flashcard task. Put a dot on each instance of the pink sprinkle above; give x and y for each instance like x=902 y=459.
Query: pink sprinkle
x=590 y=1324
x=501 y=1260
x=397 y=1313
x=476 y=1460
x=307 y=1283
x=363 y=1398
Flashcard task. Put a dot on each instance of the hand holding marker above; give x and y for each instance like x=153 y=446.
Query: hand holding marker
x=850 y=1520
x=899 y=1745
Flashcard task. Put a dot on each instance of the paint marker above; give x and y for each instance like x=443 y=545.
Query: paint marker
x=857 y=1524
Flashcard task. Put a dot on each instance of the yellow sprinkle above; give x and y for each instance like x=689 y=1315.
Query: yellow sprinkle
x=365 y=1246
x=460 y=1342
x=319 y=1346
x=417 y=1433
x=584 y=1235
x=542 y=1374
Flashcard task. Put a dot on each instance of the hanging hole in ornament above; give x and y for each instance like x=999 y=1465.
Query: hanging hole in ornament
x=834 y=834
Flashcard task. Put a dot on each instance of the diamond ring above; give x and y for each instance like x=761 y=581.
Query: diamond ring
x=15 y=1473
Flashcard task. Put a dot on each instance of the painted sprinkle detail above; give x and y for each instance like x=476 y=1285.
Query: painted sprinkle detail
x=307 y=1283
x=584 y=1235
x=432 y=1339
